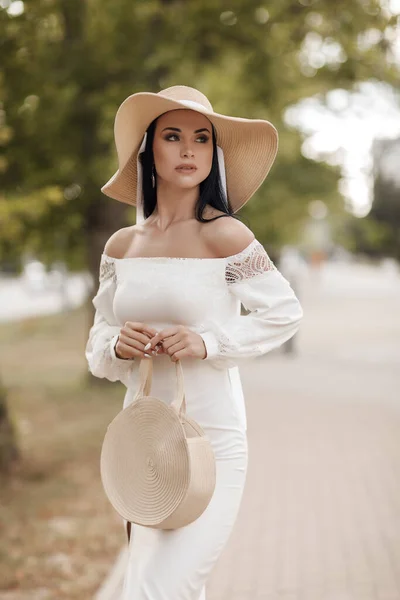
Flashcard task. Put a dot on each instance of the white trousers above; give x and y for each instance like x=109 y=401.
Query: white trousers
x=175 y=564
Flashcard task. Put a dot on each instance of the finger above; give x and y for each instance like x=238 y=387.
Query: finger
x=162 y=335
x=152 y=343
x=132 y=342
x=133 y=335
x=175 y=347
x=127 y=350
x=141 y=330
x=168 y=342
x=138 y=326
x=137 y=342
x=178 y=355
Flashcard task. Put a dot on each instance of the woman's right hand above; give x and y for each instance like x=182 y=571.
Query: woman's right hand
x=132 y=339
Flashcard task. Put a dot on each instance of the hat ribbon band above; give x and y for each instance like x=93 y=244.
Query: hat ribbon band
x=193 y=104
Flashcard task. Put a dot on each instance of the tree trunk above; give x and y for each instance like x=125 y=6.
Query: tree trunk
x=9 y=453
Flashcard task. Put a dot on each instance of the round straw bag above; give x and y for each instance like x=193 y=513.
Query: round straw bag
x=157 y=466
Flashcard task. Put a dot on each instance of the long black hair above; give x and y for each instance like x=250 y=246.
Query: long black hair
x=211 y=190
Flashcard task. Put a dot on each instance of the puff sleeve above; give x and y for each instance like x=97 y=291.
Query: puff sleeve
x=100 y=353
x=275 y=311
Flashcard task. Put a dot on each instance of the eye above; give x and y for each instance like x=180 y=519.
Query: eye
x=203 y=138
x=170 y=135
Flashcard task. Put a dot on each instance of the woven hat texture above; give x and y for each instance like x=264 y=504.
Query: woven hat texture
x=249 y=145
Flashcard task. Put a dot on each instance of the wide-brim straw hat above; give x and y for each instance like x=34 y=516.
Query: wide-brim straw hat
x=249 y=145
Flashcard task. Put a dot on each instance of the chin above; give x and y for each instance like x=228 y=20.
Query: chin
x=187 y=183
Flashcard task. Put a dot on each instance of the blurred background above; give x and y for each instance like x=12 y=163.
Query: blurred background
x=326 y=74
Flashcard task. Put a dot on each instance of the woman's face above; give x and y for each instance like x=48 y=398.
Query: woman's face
x=182 y=137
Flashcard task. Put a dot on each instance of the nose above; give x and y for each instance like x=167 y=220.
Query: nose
x=187 y=152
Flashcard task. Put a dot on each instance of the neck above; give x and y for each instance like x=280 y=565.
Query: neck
x=174 y=205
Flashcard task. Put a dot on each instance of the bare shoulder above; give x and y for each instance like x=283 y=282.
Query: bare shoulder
x=227 y=236
x=117 y=245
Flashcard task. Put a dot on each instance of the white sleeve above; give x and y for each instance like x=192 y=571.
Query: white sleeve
x=100 y=353
x=275 y=311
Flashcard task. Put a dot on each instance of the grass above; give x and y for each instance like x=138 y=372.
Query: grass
x=59 y=533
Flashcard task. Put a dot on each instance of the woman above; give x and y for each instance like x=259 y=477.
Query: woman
x=171 y=288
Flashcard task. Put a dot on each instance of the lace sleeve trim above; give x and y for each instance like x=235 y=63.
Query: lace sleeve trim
x=248 y=263
x=107 y=268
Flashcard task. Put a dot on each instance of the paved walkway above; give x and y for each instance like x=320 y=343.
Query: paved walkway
x=320 y=517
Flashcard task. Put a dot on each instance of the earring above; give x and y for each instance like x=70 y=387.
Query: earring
x=153 y=179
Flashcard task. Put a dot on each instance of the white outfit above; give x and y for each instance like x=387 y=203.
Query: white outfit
x=204 y=294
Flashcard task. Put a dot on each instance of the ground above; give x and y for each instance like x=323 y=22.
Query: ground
x=320 y=513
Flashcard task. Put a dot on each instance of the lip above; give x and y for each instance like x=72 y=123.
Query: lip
x=184 y=166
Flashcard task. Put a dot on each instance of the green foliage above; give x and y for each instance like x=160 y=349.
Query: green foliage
x=385 y=217
x=367 y=236
x=68 y=65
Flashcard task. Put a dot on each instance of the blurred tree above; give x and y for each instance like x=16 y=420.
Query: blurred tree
x=67 y=65
x=366 y=236
x=378 y=234
x=385 y=210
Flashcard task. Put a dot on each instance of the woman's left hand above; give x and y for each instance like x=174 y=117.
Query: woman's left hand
x=178 y=341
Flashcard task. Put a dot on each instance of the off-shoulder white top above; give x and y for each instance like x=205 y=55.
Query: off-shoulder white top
x=203 y=293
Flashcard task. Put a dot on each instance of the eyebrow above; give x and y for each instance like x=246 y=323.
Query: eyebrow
x=180 y=130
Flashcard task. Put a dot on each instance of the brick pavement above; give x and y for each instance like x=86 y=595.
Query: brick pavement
x=320 y=516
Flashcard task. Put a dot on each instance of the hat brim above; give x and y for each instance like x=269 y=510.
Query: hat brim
x=249 y=145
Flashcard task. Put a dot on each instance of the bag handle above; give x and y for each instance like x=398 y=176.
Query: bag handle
x=146 y=377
